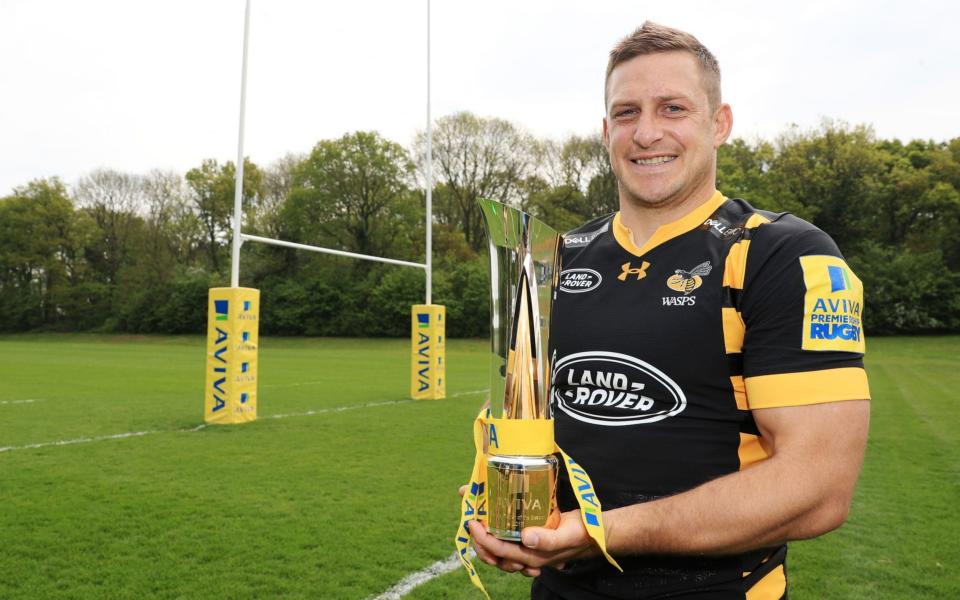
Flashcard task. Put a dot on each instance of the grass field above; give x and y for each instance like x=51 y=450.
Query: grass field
x=347 y=500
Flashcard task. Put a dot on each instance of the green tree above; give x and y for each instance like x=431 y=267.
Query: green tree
x=278 y=181
x=473 y=158
x=563 y=207
x=742 y=172
x=905 y=291
x=934 y=222
x=42 y=258
x=112 y=199
x=213 y=188
x=831 y=177
x=353 y=193
x=586 y=167
x=174 y=233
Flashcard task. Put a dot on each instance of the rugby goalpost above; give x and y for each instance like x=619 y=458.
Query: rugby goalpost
x=233 y=312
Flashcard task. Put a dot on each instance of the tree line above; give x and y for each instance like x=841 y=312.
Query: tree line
x=137 y=253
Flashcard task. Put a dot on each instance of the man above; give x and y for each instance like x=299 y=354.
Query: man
x=710 y=379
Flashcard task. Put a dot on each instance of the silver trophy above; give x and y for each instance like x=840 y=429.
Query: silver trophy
x=523 y=253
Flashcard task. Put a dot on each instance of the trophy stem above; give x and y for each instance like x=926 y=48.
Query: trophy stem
x=522 y=491
x=522 y=394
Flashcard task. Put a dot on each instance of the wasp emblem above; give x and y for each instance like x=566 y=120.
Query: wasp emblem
x=687 y=281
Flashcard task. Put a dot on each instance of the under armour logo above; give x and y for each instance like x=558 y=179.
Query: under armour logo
x=640 y=272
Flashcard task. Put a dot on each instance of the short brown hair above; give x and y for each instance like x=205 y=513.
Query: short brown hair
x=653 y=38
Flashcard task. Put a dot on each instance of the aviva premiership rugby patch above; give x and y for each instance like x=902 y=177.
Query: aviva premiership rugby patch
x=833 y=305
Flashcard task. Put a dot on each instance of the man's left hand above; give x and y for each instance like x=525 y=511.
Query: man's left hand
x=539 y=547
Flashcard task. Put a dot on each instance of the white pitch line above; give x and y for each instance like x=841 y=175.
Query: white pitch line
x=470 y=393
x=406 y=585
x=87 y=440
x=27 y=401
x=119 y=436
x=323 y=411
x=285 y=385
x=325 y=381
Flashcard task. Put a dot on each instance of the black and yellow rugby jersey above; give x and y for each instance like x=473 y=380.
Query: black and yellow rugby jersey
x=659 y=353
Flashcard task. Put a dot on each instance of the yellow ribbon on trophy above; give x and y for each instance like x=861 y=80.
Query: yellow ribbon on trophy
x=521 y=437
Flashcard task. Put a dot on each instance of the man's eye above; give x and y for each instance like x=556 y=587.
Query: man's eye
x=625 y=113
x=673 y=108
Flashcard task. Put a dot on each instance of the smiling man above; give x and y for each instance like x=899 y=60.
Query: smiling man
x=710 y=379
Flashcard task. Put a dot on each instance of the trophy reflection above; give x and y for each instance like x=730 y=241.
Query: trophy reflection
x=521 y=487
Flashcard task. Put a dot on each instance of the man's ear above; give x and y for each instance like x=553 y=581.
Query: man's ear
x=723 y=124
x=606 y=135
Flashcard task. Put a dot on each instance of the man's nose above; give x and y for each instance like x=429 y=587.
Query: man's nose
x=648 y=130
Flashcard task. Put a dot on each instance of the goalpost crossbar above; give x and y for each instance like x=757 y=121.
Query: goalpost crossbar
x=274 y=242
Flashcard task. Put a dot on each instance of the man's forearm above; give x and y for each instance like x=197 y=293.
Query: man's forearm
x=802 y=491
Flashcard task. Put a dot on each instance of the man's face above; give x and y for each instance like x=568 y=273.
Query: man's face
x=661 y=132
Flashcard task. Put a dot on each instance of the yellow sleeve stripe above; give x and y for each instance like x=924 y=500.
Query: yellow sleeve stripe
x=739 y=392
x=773 y=585
x=750 y=451
x=756 y=220
x=811 y=387
x=735 y=267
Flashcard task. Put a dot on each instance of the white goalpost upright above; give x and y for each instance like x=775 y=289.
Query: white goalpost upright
x=233 y=312
x=238 y=186
x=429 y=226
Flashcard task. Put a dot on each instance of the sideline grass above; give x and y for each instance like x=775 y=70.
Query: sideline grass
x=344 y=504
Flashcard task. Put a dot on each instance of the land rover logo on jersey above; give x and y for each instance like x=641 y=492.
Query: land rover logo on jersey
x=687 y=281
x=613 y=389
x=577 y=281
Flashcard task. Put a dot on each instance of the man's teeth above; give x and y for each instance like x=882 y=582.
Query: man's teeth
x=659 y=160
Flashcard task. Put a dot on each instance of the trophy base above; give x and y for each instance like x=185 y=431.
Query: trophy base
x=521 y=492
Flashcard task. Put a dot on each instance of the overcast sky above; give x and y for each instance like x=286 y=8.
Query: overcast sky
x=136 y=85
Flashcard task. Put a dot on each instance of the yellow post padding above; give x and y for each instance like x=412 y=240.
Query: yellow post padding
x=520 y=437
x=230 y=395
x=428 y=352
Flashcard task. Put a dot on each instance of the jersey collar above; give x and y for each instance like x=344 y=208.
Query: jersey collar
x=668 y=231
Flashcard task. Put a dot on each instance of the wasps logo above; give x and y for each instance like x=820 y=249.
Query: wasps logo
x=687 y=281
